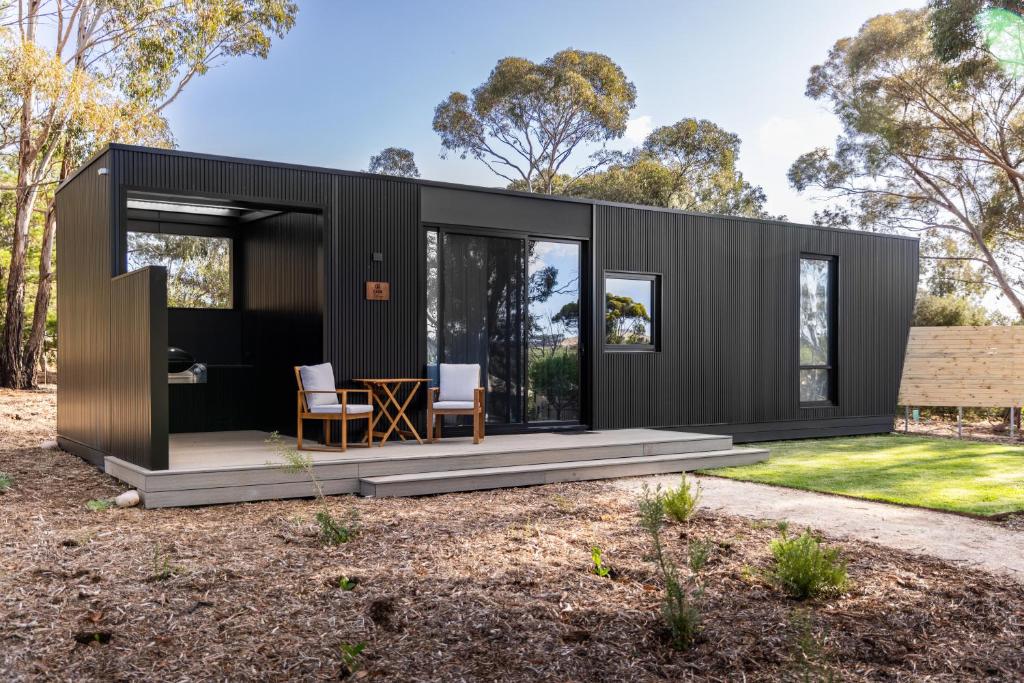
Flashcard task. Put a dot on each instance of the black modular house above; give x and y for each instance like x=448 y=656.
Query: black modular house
x=585 y=315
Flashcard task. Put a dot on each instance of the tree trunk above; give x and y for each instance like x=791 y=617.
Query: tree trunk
x=11 y=368
x=37 y=333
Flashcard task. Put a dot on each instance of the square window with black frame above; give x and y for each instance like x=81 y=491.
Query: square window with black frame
x=631 y=312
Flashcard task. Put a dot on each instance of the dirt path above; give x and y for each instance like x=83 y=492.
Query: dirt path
x=938 y=534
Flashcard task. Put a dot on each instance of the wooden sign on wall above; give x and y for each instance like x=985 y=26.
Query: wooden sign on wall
x=972 y=367
x=378 y=291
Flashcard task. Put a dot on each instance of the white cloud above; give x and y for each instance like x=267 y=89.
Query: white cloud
x=637 y=129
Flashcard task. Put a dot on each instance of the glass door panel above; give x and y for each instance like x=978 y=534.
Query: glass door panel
x=481 y=315
x=553 y=329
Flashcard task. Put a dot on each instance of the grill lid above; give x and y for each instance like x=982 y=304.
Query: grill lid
x=178 y=360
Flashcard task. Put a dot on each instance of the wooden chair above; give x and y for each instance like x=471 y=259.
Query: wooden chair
x=460 y=393
x=318 y=400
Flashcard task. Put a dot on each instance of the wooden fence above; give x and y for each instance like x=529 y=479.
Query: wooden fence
x=974 y=367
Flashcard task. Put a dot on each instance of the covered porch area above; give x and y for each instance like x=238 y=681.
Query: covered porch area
x=237 y=466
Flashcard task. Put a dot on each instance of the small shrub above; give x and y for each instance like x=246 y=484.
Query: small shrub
x=680 y=503
x=697 y=553
x=99 y=504
x=162 y=567
x=350 y=657
x=347 y=584
x=599 y=567
x=678 y=610
x=334 y=531
x=5 y=482
x=803 y=568
x=808 y=659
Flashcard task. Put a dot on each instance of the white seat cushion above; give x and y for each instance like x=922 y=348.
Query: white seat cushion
x=453 y=405
x=318 y=378
x=458 y=382
x=350 y=409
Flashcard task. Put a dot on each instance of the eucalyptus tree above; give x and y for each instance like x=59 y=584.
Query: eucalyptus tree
x=75 y=74
x=527 y=119
x=396 y=161
x=932 y=141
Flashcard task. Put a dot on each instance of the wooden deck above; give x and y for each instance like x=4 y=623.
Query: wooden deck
x=229 y=467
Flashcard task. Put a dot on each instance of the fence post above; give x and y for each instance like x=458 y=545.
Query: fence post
x=906 y=419
x=1013 y=421
x=960 y=423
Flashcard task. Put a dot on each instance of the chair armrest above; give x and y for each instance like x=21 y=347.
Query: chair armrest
x=343 y=393
x=478 y=396
x=432 y=395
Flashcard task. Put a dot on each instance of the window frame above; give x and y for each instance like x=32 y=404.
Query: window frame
x=200 y=231
x=655 y=280
x=831 y=366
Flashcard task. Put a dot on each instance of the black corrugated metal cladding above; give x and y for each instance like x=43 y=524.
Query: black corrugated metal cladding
x=729 y=321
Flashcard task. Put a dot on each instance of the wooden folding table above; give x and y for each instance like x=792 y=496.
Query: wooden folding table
x=387 y=394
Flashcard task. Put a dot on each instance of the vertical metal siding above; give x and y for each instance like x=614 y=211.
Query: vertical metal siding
x=138 y=373
x=83 y=307
x=729 y=316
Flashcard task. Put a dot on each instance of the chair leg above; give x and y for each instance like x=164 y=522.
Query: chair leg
x=482 y=424
x=430 y=425
x=298 y=432
x=369 y=432
x=476 y=427
x=344 y=433
x=327 y=433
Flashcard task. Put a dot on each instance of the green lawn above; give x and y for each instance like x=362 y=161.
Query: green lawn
x=959 y=476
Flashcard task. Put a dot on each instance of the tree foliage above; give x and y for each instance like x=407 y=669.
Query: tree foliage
x=625 y=320
x=396 y=161
x=932 y=310
x=689 y=165
x=932 y=140
x=75 y=74
x=526 y=120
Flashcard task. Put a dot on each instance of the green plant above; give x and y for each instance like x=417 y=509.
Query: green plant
x=803 y=568
x=677 y=608
x=333 y=531
x=697 y=553
x=99 y=504
x=350 y=657
x=807 y=651
x=347 y=584
x=599 y=566
x=162 y=567
x=5 y=482
x=681 y=502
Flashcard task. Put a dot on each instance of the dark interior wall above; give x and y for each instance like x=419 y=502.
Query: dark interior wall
x=282 y=302
x=85 y=266
x=729 y=316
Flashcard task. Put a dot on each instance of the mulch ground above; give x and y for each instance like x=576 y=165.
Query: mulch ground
x=479 y=586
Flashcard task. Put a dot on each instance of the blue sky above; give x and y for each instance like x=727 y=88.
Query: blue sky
x=355 y=77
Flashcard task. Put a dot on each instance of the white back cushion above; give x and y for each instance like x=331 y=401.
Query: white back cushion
x=318 y=378
x=458 y=382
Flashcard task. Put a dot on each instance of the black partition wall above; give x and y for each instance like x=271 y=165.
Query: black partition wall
x=583 y=313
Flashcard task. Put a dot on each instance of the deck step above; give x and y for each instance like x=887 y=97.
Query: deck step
x=426 y=483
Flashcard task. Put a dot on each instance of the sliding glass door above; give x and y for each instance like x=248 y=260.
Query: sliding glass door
x=511 y=305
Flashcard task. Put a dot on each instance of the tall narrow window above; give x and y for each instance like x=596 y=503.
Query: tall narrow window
x=817 y=330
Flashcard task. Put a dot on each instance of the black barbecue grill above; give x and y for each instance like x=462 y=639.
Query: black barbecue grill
x=182 y=368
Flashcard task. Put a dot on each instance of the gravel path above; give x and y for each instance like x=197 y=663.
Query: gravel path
x=946 y=536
